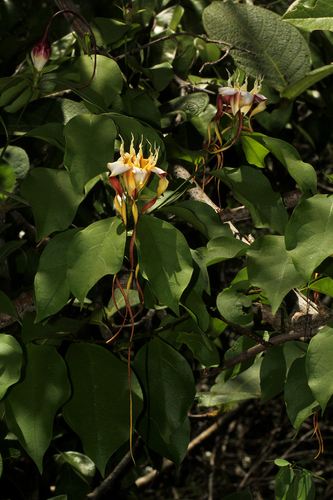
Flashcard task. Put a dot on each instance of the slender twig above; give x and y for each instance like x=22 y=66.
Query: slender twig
x=246 y=332
x=175 y=35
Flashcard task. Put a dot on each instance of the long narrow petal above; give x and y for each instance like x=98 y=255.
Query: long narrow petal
x=117 y=167
x=158 y=171
x=116 y=186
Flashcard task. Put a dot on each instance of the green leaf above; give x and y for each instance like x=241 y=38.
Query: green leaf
x=138 y=104
x=10 y=247
x=280 y=462
x=168 y=384
x=164 y=258
x=54 y=202
x=10 y=362
x=283 y=480
x=95 y=251
x=244 y=386
x=295 y=89
x=319 y=367
x=300 y=402
x=222 y=248
x=108 y=82
x=7 y=178
x=108 y=31
x=51 y=288
x=188 y=106
x=51 y=133
x=279 y=52
x=53 y=329
x=310 y=18
x=271 y=269
x=254 y=151
x=32 y=404
x=251 y=188
x=302 y=487
x=240 y=495
x=18 y=160
x=234 y=305
x=275 y=367
x=324 y=285
x=303 y=173
x=242 y=344
x=202 y=347
x=89 y=147
x=309 y=239
x=81 y=464
x=201 y=216
x=7 y=306
x=99 y=410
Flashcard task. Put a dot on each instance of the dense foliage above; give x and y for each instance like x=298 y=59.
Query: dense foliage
x=132 y=133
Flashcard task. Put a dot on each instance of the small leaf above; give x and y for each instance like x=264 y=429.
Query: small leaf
x=240 y=495
x=51 y=288
x=309 y=239
x=280 y=462
x=255 y=153
x=9 y=248
x=271 y=269
x=164 y=258
x=222 y=248
x=32 y=404
x=99 y=410
x=203 y=348
x=10 y=362
x=283 y=479
x=168 y=383
x=251 y=188
x=300 y=402
x=234 y=305
x=319 y=367
x=94 y=252
x=310 y=18
x=244 y=386
x=54 y=202
x=7 y=306
x=279 y=51
x=89 y=147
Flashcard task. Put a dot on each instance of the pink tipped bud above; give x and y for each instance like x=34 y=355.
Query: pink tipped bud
x=41 y=52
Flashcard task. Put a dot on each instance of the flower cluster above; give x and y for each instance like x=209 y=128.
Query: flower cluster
x=134 y=170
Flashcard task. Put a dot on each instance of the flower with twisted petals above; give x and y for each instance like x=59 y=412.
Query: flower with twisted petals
x=240 y=100
x=134 y=170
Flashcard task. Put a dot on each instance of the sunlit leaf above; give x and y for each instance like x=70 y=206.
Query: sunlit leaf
x=10 y=362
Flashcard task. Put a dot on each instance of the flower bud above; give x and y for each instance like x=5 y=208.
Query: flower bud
x=40 y=53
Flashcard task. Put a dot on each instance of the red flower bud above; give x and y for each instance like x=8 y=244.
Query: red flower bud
x=40 y=53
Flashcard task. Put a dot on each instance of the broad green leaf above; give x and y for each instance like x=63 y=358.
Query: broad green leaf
x=244 y=386
x=300 y=402
x=81 y=464
x=279 y=51
x=10 y=362
x=202 y=347
x=32 y=404
x=138 y=104
x=222 y=248
x=51 y=133
x=89 y=147
x=240 y=495
x=275 y=367
x=234 y=305
x=108 y=30
x=53 y=200
x=160 y=75
x=303 y=173
x=251 y=188
x=201 y=216
x=302 y=487
x=254 y=151
x=168 y=384
x=295 y=89
x=242 y=344
x=94 y=252
x=324 y=285
x=319 y=369
x=7 y=178
x=99 y=410
x=51 y=288
x=10 y=247
x=53 y=329
x=165 y=259
x=188 y=106
x=283 y=480
x=309 y=237
x=192 y=297
x=271 y=269
x=7 y=306
x=108 y=81
x=18 y=160
x=310 y=18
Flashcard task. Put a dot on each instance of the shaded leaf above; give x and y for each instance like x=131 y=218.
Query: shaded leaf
x=202 y=347
x=222 y=248
x=94 y=252
x=10 y=362
x=99 y=410
x=310 y=18
x=32 y=404
x=279 y=52
x=234 y=305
